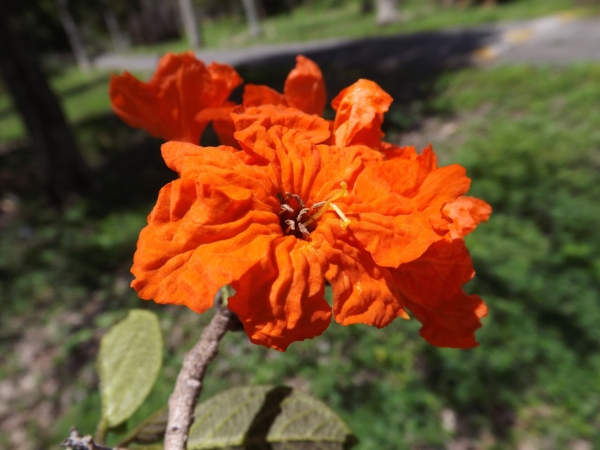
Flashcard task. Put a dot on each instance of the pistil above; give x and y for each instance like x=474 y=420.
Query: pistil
x=324 y=207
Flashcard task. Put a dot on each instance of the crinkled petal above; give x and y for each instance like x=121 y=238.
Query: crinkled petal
x=137 y=104
x=431 y=288
x=340 y=164
x=359 y=116
x=305 y=88
x=250 y=121
x=312 y=171
x=363 y=292
x=205 y=231
x=176 y=154
x=167 y=105
x=257 y=95
x=403 y=176
x=222 y=123
x=394 y=151
x=225 y=166
x=398 y=206
x=169 y=64
x=224 y=79
x=282 y=300
x=283 y=139
x=466 y=213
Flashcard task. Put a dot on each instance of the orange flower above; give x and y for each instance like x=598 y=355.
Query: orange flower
x=290 y=211
x=304 y=89
x=360 y=109
x=167 y=105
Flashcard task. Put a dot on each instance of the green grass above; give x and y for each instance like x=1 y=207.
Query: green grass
x=308 y=23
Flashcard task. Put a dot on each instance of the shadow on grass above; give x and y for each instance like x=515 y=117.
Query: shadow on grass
x=96 y=80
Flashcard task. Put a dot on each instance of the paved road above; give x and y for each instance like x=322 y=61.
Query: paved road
x=560 y=39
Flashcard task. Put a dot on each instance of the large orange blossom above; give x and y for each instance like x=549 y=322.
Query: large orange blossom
x=302 y=203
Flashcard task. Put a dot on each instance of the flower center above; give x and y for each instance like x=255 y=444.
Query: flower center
x=299 y=220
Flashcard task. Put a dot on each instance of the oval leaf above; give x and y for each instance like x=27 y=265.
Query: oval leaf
x=267 y=417
x=128 y=364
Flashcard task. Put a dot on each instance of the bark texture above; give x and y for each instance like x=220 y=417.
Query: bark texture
x=188 y=18
x=253 y=17
x=386 y=11
x=117 y=38
x=62 y=167
x=74 y=36
x=189 y=381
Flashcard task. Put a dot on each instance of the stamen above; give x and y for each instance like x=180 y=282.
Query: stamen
x=303 y=230
x=343 y=192
x=297 y=197
x=301 y=213
x=285 y=207
x=318 y=205
x=291 y=226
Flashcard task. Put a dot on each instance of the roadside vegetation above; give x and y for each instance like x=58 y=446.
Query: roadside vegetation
x=343 y=19
x=84 y=94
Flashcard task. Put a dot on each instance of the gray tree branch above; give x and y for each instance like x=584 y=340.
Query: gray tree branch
x=190 y=25
x=189 y=381
x=74 y=36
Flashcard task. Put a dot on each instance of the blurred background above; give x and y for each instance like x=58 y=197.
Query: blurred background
x=509 y=89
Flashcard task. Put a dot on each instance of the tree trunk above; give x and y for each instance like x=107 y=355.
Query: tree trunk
x=366 y=6
x=190 y=26
x=63 y=169
x=253 y=17
x=119 y=42
x=386 y=11
x=73 y=35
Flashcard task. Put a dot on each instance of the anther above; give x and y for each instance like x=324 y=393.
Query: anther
x=318 y=205
x=301 y=213
x=303 y=230
x=291 y=225
x=297 y=197
x=285 y=207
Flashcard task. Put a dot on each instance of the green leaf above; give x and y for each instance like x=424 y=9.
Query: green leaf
x=267 y=417
x=150 y=431
x=128 y=364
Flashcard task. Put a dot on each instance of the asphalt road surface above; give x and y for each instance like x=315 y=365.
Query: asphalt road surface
x=559 y=39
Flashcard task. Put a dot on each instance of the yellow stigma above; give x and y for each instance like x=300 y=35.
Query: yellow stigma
x=344 y=222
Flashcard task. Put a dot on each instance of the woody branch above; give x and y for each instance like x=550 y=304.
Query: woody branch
x=77 y=442
x=189 y=381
